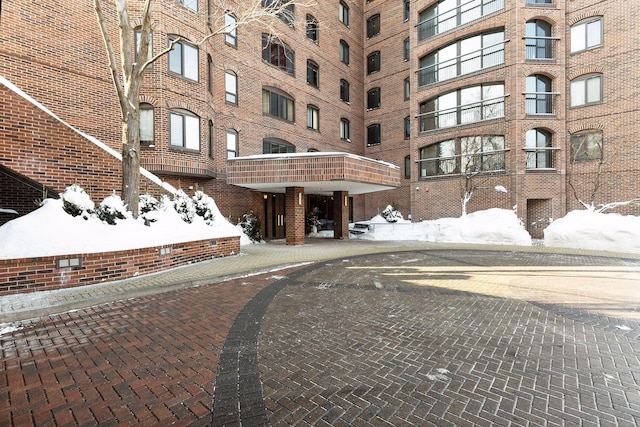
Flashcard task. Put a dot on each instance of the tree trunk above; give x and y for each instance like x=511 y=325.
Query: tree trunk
x=131 y=160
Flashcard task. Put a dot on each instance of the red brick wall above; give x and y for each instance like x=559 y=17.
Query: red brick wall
x=38 y=274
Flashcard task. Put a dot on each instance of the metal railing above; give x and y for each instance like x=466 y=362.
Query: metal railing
x=486 y=161
x=540 y=103
x=540 y=47
x=540 y=157
x=487 y=109
x=463 y=14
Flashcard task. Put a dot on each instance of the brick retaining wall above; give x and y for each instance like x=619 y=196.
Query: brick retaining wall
x=47 y=273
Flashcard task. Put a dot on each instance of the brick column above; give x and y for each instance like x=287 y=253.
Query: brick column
x=294 y=207
x=340 y=214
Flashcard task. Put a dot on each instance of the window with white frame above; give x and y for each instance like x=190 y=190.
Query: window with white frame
x=462 y=57
x=232 y=143
x=313 y=117
x=183 y=59
x=184 y=130
x=586 y=34
x=146 y=125
x=586 y=90
x=231 y=87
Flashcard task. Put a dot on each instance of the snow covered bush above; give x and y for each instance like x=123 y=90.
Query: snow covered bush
x=391 y=214
x=147 y=203
x=251 y=226
x=111 y=209
x=76 y=202
x=184 y=205
x=313 y=220
x=204 y=206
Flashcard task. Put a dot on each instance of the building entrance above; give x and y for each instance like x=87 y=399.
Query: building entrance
x=274 y=216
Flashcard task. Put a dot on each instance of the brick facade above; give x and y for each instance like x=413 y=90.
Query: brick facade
x=52 y=66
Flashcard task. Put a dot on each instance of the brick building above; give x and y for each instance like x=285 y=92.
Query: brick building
x=527 y=95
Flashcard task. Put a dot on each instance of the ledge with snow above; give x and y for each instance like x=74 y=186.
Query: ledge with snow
x=51 y=249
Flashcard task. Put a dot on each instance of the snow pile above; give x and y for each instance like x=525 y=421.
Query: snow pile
x=50 y=230
x=584 y=229
x=492 y=226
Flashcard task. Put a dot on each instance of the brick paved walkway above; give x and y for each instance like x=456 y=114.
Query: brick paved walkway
x=427 y=337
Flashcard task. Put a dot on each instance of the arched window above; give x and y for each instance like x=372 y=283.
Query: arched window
x=586 y=90
x=184 y=130
x=538 y=41
x=232 y=143
x=539 y=97
x=278 y=104
x=312 y=29
x=230 y=30
x=275 y=146
x=539 y=149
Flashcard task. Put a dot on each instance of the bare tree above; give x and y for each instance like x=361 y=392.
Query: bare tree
x=481 y=158
x=588 y=148
x=134 y=60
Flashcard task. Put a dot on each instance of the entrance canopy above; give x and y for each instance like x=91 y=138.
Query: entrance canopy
x=316 y=172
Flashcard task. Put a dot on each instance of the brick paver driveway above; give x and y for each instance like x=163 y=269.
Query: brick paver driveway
x=446 y=337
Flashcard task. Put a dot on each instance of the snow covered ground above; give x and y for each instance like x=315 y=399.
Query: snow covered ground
x=51 y=231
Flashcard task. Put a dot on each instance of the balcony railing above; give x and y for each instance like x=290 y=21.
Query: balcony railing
x=540 y=2
x=540 y=157
x=541 y=103
x=487 y=161
x=540 y=47
x=487 y=109
x=463 y=14
x=463 y=64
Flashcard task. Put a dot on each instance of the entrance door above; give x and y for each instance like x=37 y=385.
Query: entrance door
x=278 y=226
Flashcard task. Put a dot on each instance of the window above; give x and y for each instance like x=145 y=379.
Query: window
x=312 y=29
x=344 y=90
x=586 y=146
x=407 y=89
x=278 y=104
x=586 y=90
x=538 y=149
x=209 y=74
x=407 y=127
x=406 y=49
x=586 y=34
x=183 y=59
x=138 y=35
x=277 y=54
x=286 y=14
x=312 y=74
x=343 y=13
x=232 y=143
x=184 y=130
x=344 y=52
x=373 y=62
x=445 y=15
x=345 y=129
x=373 y=98
x=373 y=25
x=539 y=98
x=146 y=125
x=231 y=87
x=463 y=106
x=313 y=117
x=407 y=167
x=407 y=10
x=190 y=4
x=211 y=137
x=374 y=134
x=230 y=30
x=469 y=154
x=539 y=1
x=462 y=57
x=538 y=42
x=276 y=146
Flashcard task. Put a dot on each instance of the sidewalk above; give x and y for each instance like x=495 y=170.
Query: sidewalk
x=253 y=259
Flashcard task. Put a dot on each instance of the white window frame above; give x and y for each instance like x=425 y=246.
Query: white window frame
x=230 y=30
x=231 y=87
x=232 y=141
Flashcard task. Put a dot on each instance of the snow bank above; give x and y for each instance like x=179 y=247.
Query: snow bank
x=50 y=231
x=492 y=226
x=583 y=229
